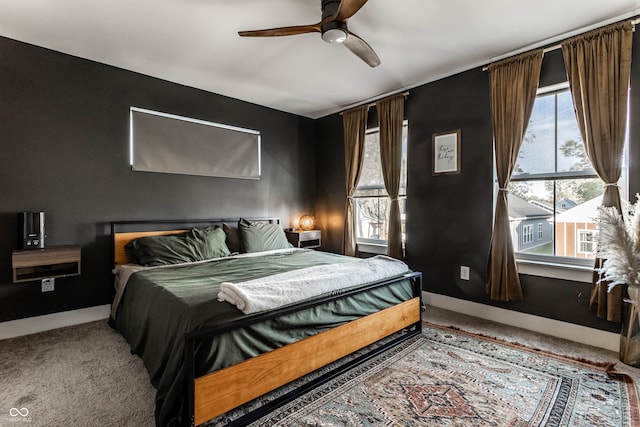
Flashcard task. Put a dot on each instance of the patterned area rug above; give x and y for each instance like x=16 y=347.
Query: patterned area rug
x=448 y=377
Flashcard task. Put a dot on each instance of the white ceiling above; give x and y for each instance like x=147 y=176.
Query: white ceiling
x=195 y=42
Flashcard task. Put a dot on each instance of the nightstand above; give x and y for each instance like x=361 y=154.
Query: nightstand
x=52 y=261
x=305 y=239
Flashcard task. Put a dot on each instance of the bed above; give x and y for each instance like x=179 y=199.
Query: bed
x=204 y=353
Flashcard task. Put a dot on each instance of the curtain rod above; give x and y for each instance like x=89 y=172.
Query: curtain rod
x=545 y=50
x=553 y=47
x=373 y=104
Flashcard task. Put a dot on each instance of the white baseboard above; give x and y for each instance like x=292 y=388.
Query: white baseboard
x=556 y=328
x=32 y=325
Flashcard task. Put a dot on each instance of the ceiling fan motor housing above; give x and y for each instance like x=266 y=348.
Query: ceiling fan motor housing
x=333 y=31
x=329 y=7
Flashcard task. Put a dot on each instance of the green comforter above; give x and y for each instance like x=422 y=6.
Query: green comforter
x=159 y=306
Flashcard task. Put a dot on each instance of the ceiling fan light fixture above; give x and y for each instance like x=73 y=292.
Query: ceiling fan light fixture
x=334 y=35
x=334 y=32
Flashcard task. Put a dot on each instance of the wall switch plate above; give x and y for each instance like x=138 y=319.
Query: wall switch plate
x=48 y=285
x=464 y=272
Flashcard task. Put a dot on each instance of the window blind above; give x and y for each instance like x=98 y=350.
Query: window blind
x=168 y=143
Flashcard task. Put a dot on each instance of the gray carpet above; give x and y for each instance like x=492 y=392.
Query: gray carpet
x=85 y=375
x=77 y=376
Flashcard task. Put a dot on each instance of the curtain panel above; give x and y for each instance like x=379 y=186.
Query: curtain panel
x=390 y=117
x=354 y=123
x=598 y=67
x=513 y=84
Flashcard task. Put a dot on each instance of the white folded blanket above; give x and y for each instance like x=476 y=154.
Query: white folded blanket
x=274 y=291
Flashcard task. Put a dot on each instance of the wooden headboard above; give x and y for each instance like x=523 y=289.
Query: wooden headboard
x=123 y=232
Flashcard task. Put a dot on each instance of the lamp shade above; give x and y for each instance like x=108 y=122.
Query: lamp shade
x=307 y=222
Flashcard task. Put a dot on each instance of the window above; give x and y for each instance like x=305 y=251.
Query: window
x=527 y=234
x=554 y=181
x=586 y=241
x=371 y=199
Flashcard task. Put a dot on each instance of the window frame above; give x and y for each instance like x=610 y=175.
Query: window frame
x=364 y=244
x=554 y=266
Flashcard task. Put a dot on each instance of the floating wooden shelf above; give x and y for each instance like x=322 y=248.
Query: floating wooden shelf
x=53 y=261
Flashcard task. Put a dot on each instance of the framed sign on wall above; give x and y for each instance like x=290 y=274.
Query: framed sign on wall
x=446 y=153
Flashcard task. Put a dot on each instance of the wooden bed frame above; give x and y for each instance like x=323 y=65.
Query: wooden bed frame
x=220 y=391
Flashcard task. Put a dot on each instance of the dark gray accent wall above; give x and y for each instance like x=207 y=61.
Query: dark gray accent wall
x=330 y=182
x=64 y=129
x=449 y=218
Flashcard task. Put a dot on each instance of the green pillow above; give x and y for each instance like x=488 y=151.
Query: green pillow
x=210 y=242
x=262 y=236
x=161 y=250
x=195 y=245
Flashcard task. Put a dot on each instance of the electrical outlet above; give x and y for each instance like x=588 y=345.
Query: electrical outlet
x=48 y=285
x=464 y=272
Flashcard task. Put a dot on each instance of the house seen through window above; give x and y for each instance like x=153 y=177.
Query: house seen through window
x=371 y=199
x=554 y=186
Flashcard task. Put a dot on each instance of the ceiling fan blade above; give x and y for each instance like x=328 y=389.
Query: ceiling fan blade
x=360 y=47
x=282 y=31
x=348 y=8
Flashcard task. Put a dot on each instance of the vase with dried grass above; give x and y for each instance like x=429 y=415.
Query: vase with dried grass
x=619 y=247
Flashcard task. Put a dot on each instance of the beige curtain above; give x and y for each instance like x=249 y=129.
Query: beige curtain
x=390 y=117
x=355 y=125
x=598 y=67
x=513 y=84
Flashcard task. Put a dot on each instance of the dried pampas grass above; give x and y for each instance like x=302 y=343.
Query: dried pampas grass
x=619 y=245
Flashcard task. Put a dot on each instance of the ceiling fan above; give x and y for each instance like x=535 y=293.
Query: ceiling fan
x=332 y=27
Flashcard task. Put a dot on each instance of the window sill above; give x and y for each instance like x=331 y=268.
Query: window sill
x=575 y=273
x=372 y=248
